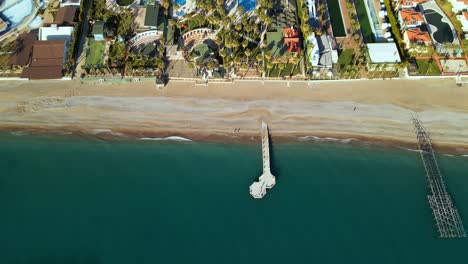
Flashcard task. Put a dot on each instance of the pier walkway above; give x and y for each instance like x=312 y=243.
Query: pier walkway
x=448 y=221
x=266 y=180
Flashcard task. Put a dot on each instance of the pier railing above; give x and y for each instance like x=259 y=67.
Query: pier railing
x=447 y=218
x=266 y=180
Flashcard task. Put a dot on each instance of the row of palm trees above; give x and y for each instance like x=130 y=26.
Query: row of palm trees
x=238 y=34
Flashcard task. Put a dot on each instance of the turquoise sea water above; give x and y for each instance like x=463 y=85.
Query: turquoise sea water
x=93 y=201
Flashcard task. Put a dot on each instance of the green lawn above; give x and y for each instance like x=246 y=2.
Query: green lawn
x=95 y=54
x=346 y=57
x=396 y=29
x=288 y=70
x=364 y=21
x=336 y=18
x=426 y=68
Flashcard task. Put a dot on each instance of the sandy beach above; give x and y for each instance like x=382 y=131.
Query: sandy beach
x=375 y=110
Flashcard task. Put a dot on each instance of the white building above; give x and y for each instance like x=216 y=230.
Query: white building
x=55 y=32
x=404 y=4
x=383 y=53
x=463 y=18
x=459 y=5
x=70 y=3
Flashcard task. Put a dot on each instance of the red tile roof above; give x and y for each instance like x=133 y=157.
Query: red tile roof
x=293 y=44
x=411 y=2
x=291 y=33
x=291 y=39
x=416 y=35
x=409 y=16
x=465 y=14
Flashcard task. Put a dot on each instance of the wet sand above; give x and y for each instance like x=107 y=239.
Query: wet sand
x=376 y=110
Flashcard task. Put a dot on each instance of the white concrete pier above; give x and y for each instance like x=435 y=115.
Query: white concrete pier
x=266 y=180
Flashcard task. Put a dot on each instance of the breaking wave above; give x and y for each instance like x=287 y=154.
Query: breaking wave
x=325 y=139
x=170 y=138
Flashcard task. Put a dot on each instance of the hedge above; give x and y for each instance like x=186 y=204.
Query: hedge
x=395 y=29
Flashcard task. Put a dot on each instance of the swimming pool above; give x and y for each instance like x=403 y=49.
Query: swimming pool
x=247 y=5
x=443 y=33
x=36 y=22
x=374 y=20
x=180 y=2
x=17 y=11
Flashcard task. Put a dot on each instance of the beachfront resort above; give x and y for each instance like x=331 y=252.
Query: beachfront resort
x=131 y=40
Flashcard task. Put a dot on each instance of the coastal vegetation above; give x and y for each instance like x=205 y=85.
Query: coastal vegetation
x=124 y=2
x=239 y=34
x=345 y=58
x=5 y=53
x=75 y=42
x=396 y=29
x=337 y=21
x=4 y=57
x=95 y=54
x=364 y=21
x=118 y=29
x=428 y=67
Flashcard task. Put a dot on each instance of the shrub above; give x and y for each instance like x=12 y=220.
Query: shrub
x=395 y=29
x=124 y=2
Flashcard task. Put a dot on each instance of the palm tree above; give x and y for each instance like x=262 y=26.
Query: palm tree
x=281 y=67
x=429 y=62
x=269 y=66
x=260 y=69
x=294 y=60
x=247 y=53
x=235 y=43
x=384 y=69
x=237 y=60
x=245 y=43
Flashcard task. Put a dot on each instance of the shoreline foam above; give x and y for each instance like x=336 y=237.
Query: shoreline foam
x=239 y=139
x=352 y=112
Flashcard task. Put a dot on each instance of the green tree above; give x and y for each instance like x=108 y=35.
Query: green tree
x=247 y=53
x=281 y=67
x=125 y=26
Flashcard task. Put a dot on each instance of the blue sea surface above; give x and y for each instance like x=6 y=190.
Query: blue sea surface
x=72 y=200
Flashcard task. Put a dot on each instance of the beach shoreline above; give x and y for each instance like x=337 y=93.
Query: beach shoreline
x=237 y=138
x=375 y=112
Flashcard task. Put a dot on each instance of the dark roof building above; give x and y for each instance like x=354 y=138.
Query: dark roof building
x=98 y=30
x=23 y=49
x=154 y=17
x=47 y=60
x=66 y=16
x=98 y=27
